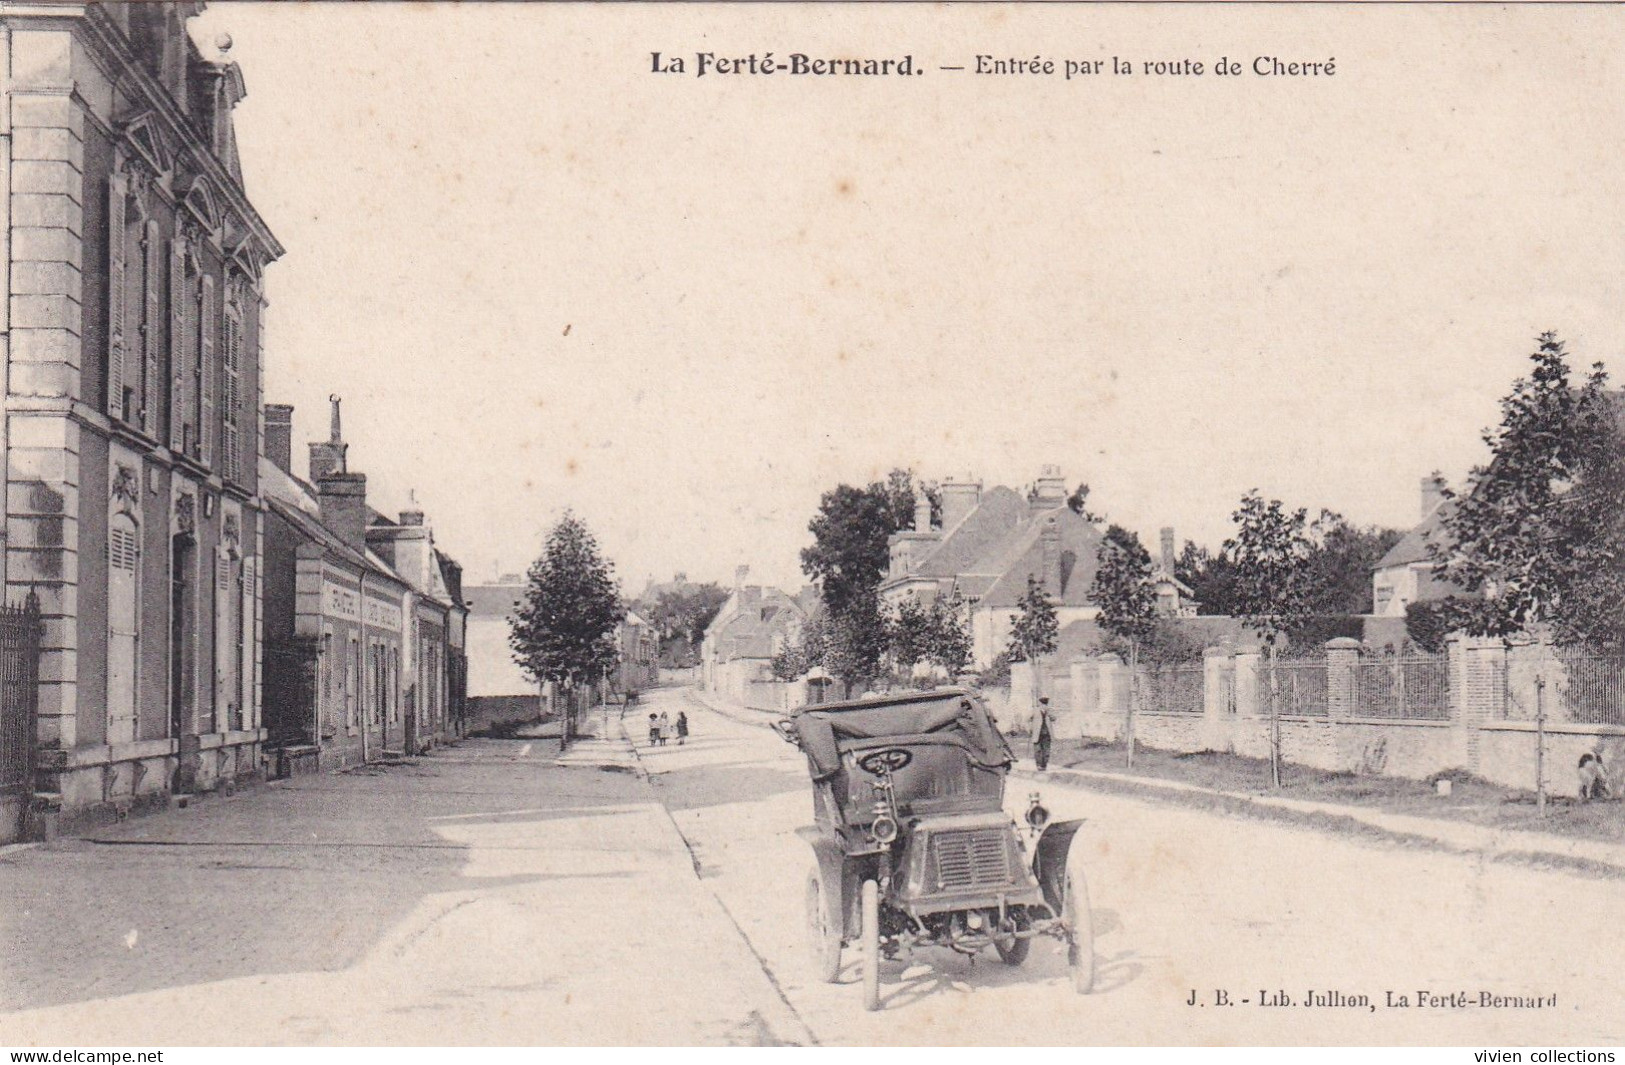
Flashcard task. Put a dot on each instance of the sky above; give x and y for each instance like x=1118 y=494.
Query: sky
x=543 y=277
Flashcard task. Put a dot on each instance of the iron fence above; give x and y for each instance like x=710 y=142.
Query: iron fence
x=1172 y=689
x=20 y=630
x=1406 y=687
x=1590 y=688
x=1300 y=687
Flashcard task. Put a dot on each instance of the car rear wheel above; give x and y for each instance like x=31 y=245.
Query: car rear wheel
x=1080 y=931
x=870 y=920
x=823 y=929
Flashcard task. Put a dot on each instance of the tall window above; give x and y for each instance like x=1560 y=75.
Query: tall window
x=123 y=556
x=231 y=386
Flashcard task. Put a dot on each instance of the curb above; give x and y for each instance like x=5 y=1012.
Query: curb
x=1337 y=819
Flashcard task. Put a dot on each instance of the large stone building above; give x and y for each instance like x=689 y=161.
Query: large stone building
x=987 y=548
x=132 y=342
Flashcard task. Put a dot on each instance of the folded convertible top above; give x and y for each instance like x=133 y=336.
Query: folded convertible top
x=952 y=713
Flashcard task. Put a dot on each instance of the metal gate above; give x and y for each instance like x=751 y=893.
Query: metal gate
x=19 y=703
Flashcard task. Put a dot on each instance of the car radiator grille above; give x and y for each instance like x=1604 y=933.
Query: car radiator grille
x=968 y=860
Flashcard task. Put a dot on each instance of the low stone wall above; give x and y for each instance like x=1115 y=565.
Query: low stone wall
x=487 y=710
x=1482 y=734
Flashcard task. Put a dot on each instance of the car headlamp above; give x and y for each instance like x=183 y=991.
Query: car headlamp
x=884 y=830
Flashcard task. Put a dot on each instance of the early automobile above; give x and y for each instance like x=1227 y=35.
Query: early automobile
x=912 y=845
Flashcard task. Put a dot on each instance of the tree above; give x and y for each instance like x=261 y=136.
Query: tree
x=1211 y=578
x=855 y=643
x=1341 y=559
x=850 y=553
x=1078 y=503
x=1126 y=594
x=564 y=630
x=934 y=633
x=1271 y=551
x=1538 y=534
x=681 y=615
x=1035 y=630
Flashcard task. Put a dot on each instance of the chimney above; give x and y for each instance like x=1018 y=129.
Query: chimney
x=741 y=575
x=959 y=498
x=343 y=499
x=1050 y=490
x=1050 y=535
x=1168 y=550
x=279 y=436
x=413 y=514
x=922 y=513
x=328 y=457
x=1432 y=493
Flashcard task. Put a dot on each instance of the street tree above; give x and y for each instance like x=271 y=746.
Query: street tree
x=1035 y=631
x=908 y=633
x=950 y=638
x=1126 y=593
x=1271 y=550
x=1537 y=536
x=855 y=641
x=564 y=630
x=936 y=634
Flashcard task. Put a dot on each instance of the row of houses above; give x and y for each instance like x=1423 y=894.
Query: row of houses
x=202 y=615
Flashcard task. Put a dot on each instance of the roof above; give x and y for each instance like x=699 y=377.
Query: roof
x=1413 y=546
x=290 y=499
x=1021 y=556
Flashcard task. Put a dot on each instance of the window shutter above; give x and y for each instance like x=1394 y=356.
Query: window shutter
x=177 y=344
x=207 y=326
x=117 y=191
x=153 y=385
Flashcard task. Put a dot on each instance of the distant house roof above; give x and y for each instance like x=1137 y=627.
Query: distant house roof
x=750 y=622
x=1022 y=555
x=989 y=523
x=1413 y=546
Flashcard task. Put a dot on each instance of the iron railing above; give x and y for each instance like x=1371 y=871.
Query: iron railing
x=1407 y=687
x=20 y=631
x=1300 y=687
x=1172 y=689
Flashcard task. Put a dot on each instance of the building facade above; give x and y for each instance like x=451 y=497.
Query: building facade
x=133 y=346
x=363 y=658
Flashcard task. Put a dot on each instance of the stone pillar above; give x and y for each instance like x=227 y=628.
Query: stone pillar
x=1250 y=696
x=1083 y=697
x=1477 y=691
x=1342 y=660
x=1218 y=699
x=1112 y=694
x=40 y=344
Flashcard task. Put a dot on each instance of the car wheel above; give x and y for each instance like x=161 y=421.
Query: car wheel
x=1080 y=932
x=823 y=929
x=870 y=917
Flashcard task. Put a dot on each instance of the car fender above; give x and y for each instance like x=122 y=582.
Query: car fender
x=840 y=884
x=1050 y=857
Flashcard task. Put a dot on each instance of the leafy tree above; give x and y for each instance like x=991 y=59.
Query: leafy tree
x=1428 y=623
x=1539 y=532
x=950 y=643
x=809 y=650
x=936 y=634
x=681 y=615
x=1036 y=630
x=564 y=630
x=1340 y=563
x=849 y=554
x=1271 y=551
x=1211 y=578
x=855 y=643
x=1126 y=594
x=1078 y=503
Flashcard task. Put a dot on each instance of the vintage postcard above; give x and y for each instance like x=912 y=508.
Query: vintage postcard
x=812 y=523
